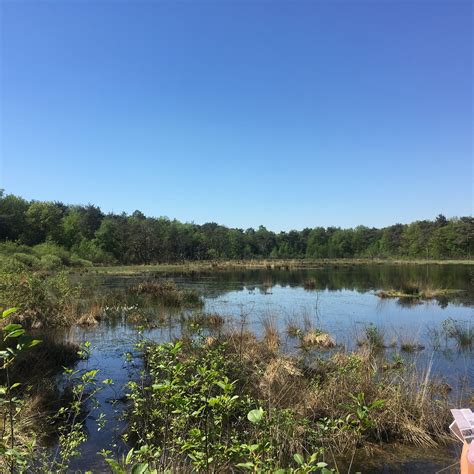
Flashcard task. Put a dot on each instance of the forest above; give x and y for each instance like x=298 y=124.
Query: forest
x=53 y=233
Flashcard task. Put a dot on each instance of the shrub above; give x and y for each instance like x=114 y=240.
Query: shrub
x=89 y=250
x=9 y=248
x=80 y=262
x=50 y=248
x=28 y=260
x=50 y=262
x=41 y=300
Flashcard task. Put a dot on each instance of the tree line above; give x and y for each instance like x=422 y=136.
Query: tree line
x=88 y=233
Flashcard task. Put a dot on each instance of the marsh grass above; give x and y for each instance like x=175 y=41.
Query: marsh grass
x=373 y=338
x=206 y=320
x=271 y=336
x=93 y=316
x=167 y=293
x=462 y=332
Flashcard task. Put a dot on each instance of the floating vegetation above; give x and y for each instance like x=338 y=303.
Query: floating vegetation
x=416 y=291
x=168 y=293
x=411 y=346
x=315 y=338
x=206 y=320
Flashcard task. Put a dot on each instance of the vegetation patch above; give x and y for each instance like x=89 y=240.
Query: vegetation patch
x=232 y=402
x=317 y=338
x=206 y=320
x=41 y=299
x=417 y=291
x=168 y=293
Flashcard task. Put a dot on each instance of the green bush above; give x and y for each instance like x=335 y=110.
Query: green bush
x=28 y=260
x=89 y=250
x=80 y=262
x=50 y=248
x=9 y=248
x=50 y=262
x=41 y=300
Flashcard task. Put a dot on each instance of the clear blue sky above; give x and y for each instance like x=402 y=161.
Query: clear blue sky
x=288 y=114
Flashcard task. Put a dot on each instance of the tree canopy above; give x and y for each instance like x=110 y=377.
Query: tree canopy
x=89 y=234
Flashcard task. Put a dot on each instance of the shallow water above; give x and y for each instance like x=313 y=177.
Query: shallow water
x=343 y=304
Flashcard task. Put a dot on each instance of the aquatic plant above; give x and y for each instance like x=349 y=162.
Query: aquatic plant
x=271 y=336
x=461 y=331
x=205 y=320
x=374 y=338
x=316 y=338
x=168 y=293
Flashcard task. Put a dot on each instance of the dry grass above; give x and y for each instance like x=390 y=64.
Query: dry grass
x=206 y=320
x=316 y=338
x=271 y=337
x=91 y=317
x=415 y=406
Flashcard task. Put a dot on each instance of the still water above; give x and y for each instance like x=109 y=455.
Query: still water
x=343 y=303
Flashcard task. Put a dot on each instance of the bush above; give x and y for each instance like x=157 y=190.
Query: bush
x=89 y=250
x=50 y=262
x=9 y=248
x=41 y=300
x=28 y=260
x=80 y=262
x=50 y=248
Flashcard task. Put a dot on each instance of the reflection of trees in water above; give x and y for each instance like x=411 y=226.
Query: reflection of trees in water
x=360 y=278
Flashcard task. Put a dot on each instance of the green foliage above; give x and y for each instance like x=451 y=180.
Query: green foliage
x=40 y=299
x=89 y=235
x=30 y=261
x=15 y=342
x=188 y=411
x=50 y=262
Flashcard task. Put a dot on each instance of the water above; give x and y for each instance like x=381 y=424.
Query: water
x=343 y=303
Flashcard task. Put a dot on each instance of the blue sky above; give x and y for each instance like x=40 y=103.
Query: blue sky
x=288 y=114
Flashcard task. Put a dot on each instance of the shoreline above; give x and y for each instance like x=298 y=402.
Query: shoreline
x=264 y=264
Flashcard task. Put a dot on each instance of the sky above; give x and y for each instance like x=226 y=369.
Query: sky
x=288 y=114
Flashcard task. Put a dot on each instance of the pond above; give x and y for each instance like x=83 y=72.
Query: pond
x=342 y=301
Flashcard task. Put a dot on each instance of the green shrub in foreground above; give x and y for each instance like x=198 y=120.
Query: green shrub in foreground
x=187 y=411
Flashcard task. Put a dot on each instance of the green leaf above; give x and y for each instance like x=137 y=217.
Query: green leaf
x=128 y=458
x=9 y=311
x=298 y=458
x=12 y=327
x=116 y=467
x=16 y=333
x=255 y=416
x=246 y=465
x=140 y=468
x=34 y=342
